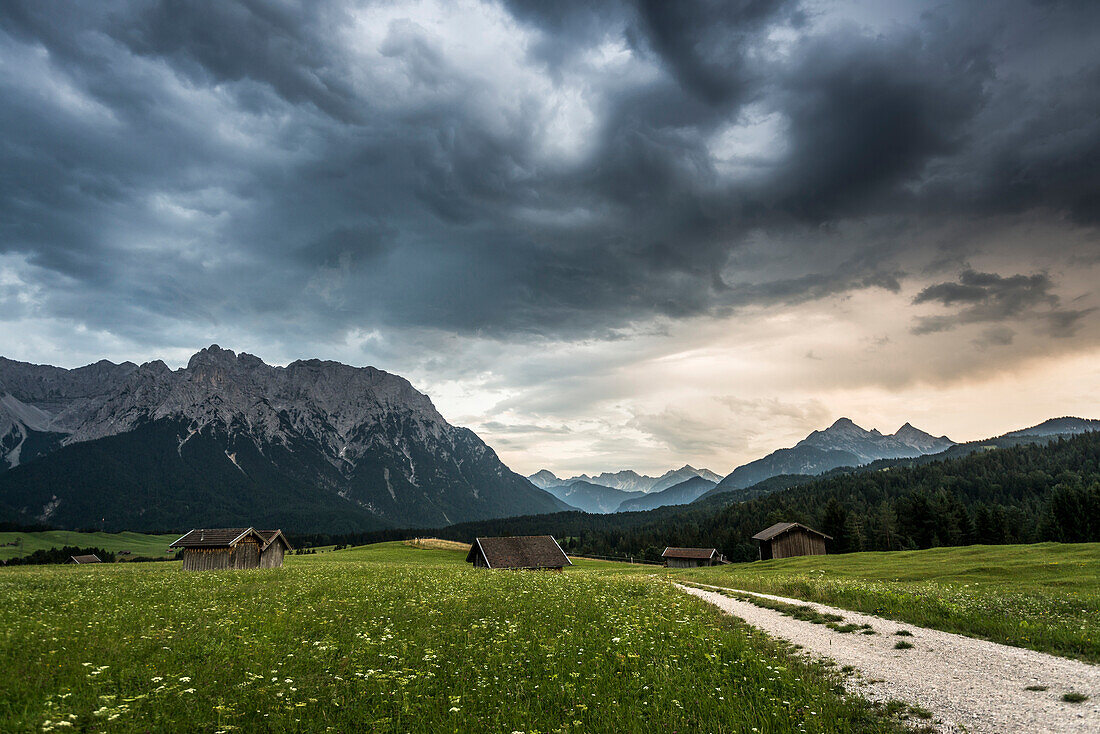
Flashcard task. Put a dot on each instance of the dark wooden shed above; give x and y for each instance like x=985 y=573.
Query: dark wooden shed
x=786 y=539
x=520 y=552
x=91 y=558
x=691 y=557
x=221 y=548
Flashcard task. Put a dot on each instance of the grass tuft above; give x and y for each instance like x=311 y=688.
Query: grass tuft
x=903 y=645
x=1074 y=697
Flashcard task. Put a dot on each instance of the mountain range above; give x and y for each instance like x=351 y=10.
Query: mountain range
x=627 y=479
x=683 y=493
x=590 y=497
x=1066 y=426
x=230 y=440
x=841 y=444
x=627 y=490
x=324 y=447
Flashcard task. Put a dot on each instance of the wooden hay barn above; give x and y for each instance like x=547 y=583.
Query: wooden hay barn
x=692 y=557
x=92 y=558
x=786 y=539
x=521 y=552
x=210 y=550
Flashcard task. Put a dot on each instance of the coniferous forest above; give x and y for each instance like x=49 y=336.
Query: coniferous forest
x=1020 y=494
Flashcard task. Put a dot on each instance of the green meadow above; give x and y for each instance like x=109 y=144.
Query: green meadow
x=391 y=638
x=1044 y=596
x=139 y=544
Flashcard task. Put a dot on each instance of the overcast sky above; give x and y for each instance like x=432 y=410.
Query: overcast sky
x=637 y=236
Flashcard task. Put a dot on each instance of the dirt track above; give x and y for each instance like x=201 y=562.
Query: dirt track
x=968 y=684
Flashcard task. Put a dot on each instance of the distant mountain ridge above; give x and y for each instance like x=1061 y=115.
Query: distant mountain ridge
x=683 y=493
x=589 y=497
x=627 y=480
x=841 y=444
x=1047 y=431
x=233 y=438
x=1065 y=426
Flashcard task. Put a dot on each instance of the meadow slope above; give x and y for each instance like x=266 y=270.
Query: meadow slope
x=139 y=544
x=393 y=638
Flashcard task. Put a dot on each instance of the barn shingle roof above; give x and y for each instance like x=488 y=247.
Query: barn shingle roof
x=525 y=551
x=781 y=527
x=699 y=553
x=270 y=536
x=216 y=538
x=91 y=558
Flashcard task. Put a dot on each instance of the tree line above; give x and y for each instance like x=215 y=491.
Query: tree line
x=59 y=555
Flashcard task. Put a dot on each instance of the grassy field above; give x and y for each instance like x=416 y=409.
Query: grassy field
x=1044 y=596
x=392 y=638
x=137 y=543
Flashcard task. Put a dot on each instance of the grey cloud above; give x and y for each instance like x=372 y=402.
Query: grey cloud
x=989 y=298
x=684 y=432
x=497 y=428
x=1066 y=323
x=226 y=163
x=706 y=43
x=869 y=114
x=995 y=336
x=1004 y=296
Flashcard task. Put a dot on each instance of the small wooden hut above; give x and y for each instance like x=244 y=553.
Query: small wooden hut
x=786 y=539
x=521 y=552
x=692 y=557
x=220 y=548
x=91 y=558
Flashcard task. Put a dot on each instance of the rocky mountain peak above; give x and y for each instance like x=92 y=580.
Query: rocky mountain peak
x=910 y=431
x=212 y=354
x=357 y=438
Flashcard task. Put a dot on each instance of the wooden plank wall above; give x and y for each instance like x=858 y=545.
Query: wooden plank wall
x=797 y=542
x=686 y=562
x=246 y=554
x=205 y=559
x=273 y=556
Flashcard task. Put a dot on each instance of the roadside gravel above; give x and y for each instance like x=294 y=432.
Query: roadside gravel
x=969 y=685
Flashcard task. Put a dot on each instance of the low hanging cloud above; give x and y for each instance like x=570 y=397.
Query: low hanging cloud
x=983 y=298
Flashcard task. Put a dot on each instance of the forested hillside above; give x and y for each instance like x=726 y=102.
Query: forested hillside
x=1018 y=494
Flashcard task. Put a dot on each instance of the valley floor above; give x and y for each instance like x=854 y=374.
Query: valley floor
x=394 y=638
x=960 y=683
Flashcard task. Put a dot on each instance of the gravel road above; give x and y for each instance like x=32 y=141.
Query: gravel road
x=969 y=685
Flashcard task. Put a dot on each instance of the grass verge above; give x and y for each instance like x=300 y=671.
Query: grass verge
x=1044 y=596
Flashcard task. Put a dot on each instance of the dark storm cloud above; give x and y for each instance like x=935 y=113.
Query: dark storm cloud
x=991 y=298
x=295 y=168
